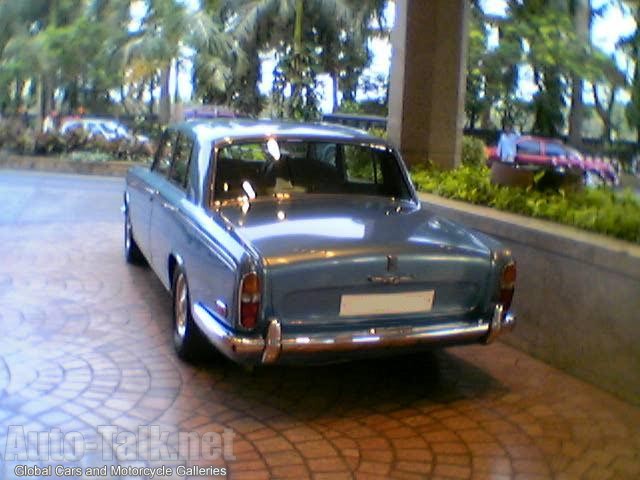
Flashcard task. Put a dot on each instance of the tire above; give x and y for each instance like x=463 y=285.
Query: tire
x=132 y=253
x=187 y=338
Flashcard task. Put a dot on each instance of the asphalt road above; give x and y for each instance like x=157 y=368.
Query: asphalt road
x=37 y=197
x=86 y=344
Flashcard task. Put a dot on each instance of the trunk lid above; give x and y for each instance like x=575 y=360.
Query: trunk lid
x=317 y=249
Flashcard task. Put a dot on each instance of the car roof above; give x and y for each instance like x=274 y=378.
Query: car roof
x=536 y=138
x=222 y=129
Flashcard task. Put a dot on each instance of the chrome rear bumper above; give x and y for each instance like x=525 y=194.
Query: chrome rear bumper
x=270 y=348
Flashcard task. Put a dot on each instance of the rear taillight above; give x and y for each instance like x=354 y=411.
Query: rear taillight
x=249 y=300
x=507 y=285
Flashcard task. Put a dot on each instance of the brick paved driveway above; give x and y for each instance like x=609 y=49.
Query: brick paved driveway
x=86 y=343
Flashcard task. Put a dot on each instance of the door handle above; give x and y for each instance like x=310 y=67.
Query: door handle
x=151 y=191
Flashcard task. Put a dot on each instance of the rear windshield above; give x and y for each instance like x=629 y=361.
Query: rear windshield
x=269 y=168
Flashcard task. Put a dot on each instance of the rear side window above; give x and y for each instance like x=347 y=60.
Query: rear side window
x=182 y=154
x=164 y=154
x=555 y=150
x=362 y=165
x=529 y=146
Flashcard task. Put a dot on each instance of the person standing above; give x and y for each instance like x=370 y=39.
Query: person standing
x=507 y=144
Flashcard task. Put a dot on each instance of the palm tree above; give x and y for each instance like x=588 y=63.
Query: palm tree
x=291 y=28
x=34 y=43
x=167 y=30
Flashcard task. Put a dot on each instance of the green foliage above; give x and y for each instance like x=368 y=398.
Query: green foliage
x=551 y=39
x=16 y=137
x=90 y=157
x=378 y=132
x=359 y=163
x=473 y=151
x=632 y=45
x=294 y=86
x=47 y=143
x=350 y=106
x=598 y=210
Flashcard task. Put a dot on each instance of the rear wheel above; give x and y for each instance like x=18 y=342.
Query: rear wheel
x=132 y=252
x=187 y=339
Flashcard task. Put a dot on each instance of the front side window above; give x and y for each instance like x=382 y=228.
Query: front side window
x=257 y=169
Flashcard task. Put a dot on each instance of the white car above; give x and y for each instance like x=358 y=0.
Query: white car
x=110 y=130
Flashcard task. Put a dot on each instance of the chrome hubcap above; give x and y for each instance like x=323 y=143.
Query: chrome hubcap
x=180 y=306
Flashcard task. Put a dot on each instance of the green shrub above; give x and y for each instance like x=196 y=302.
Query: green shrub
x=599 y=210
x=47 y=143
x=15 y=136
x=378 y=132
x=20 y=139
x=90 y=157
x=474 y=151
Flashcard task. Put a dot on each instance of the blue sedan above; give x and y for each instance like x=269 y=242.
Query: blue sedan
x=306 y=243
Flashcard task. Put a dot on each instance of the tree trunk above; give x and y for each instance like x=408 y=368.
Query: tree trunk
x=152 y=87
x=548 y=104
x=176 y=91
x=472 y=120
x=334 y=81
x=605 y=112
x=485 y=117
x=296 y=81
x=582 y=22
x=297 y=33
x=177 y=106
x=123 y=99
x=41 y=104
x=165 y=94
x=73 y=95
x=18 y=93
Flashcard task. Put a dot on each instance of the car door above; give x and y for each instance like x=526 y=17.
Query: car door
x=555 y=154
x=166 y=228
x=529 y=152
x=143 y=192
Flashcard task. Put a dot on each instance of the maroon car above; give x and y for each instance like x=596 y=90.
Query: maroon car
x=551 y=153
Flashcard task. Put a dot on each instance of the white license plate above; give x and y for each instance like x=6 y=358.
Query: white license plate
x=386 y=303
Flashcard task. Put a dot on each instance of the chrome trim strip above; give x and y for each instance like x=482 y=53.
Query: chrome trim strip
x=502 y=322
x=383 y=337
x=496 y=323
x=254 y=349
x=243 y=349
x=273 y=342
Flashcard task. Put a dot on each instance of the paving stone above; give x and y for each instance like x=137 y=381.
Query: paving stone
x=87 y=342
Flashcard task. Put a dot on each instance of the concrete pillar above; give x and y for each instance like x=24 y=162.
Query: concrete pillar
x=427 y=85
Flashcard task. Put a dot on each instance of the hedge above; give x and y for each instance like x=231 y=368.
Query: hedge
x=602 y=210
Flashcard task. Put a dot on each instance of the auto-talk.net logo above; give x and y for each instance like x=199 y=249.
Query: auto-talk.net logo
x=41 y=454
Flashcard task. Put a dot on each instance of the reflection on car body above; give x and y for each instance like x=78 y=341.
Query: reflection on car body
x=285 y=242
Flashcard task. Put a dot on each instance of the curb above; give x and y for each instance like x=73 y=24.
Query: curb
x=61 y=165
